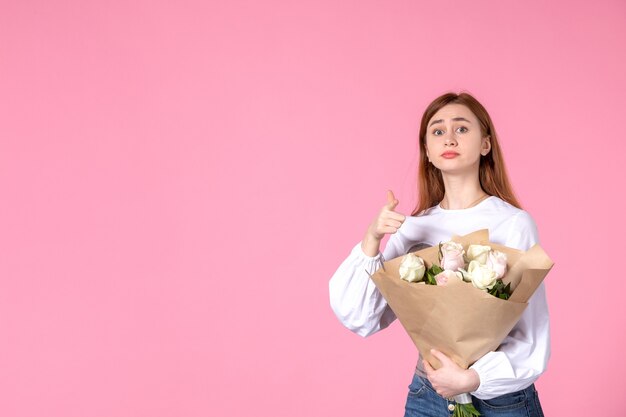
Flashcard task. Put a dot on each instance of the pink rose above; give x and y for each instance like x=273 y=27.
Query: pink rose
x=452 y=256
x=497 y=262
x=443 y=277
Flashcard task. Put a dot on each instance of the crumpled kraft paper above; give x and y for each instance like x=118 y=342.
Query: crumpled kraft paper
x=458 y=319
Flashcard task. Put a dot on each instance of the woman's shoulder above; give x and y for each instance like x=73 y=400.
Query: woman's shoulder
x=522 y=229
x=497 y=203
x=518 y=218
x=519 y=215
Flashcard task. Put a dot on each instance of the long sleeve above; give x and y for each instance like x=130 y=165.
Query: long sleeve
x=524 y=353
x=354 y=298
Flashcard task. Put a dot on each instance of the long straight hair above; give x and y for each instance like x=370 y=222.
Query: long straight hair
x=491 y=171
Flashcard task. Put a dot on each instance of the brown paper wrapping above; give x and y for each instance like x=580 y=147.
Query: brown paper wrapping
x=458 y=319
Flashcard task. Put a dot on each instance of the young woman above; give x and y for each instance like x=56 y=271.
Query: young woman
x=463 y=187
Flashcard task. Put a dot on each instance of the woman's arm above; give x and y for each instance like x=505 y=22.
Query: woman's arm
x=522 y=356
x=524 y=353
x=354 y=298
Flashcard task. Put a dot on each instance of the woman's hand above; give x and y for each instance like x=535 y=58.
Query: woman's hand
x=387 y=221
x=450 y=379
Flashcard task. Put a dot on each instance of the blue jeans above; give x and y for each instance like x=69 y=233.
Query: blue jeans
x=423 y=401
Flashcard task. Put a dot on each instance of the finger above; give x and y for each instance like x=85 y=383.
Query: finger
x=388 y=229
x=441 y=356
x=393 y=223
x=429 y=369
x=391 y=200
x=390 y=214
x=396 y=216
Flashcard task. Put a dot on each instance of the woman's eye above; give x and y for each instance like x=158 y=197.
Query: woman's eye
x=437 y=132
x=462 y=129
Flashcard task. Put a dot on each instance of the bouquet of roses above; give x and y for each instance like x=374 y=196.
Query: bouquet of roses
x=483 y=266
x=461 y=297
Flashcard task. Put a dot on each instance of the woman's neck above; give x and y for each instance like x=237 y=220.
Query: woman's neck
x=461 y=192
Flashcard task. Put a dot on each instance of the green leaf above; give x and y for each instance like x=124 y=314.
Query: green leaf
x=430 y=279
x=500 y=290
x=465 y=410
x=430 y=274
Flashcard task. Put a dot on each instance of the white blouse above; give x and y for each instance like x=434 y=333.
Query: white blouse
x=524 y=353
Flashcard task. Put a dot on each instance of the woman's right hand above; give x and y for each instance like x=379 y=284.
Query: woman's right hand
x=387 y=221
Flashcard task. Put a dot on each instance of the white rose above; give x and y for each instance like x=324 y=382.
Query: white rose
x=478 y=253
x=497 y=262
x=412 y=268
x=481 y=276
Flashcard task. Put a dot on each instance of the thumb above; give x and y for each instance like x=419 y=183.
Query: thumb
x=392 y=202
x=441 y=356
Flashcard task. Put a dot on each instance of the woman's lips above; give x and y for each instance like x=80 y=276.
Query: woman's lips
x=449 y=155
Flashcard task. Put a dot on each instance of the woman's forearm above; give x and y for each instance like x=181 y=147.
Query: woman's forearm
x=370 y=245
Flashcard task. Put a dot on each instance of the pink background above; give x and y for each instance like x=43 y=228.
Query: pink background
x=180 y=180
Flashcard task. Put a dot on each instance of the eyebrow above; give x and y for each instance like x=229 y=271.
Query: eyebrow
x=456 y=119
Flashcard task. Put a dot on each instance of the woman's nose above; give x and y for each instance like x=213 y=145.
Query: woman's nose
x=450 y=140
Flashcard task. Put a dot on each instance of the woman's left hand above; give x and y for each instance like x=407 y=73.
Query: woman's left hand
x=450 y=379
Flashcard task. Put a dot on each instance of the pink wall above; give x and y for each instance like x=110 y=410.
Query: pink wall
x=180 y=180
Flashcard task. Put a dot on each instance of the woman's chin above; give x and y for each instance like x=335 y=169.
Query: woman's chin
x=459 y=170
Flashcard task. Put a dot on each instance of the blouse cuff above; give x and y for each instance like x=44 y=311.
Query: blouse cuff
x=490 y=368
x=357 y=251
x=370 y=263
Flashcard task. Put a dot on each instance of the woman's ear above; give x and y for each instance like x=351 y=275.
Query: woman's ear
x=486 y=146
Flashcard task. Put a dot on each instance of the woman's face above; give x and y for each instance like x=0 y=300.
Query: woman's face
x=454 y=142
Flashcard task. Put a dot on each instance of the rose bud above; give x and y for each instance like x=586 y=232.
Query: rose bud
x=478 y=253
x=497 y=261
x=482 y=277
x=452 y=256
x=412 y=268
x=443 y=277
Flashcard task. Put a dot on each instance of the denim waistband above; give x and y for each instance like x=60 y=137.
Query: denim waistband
x=425 y=381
